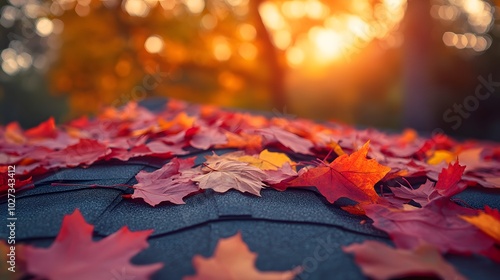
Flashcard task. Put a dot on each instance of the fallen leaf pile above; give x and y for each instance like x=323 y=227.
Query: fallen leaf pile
x=379 y=176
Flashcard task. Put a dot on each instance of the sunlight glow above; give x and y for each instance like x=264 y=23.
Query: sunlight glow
x=221 y=49
x=328 y=42
x=248 y=51
x=293 y=9
x=271 y=16
x=82 y=10
x=208 y=21
x=247 y=32
x=154 y=44
x=195 y=6
x=137 y=8
x=282 y=39
x=44 y=27
x=336 y=35
x=316 y=9
x=358 y=26
x=295 y=56
x=480 y=19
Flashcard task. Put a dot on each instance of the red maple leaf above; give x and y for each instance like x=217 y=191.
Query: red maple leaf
x=438 y=224
x=171 y=183
x=448 y=184
x=287 y=139
x=46 y=129
x=449 y=178
x=74 y=255
x=87 y=151
x=352 y=176
x=204 y=137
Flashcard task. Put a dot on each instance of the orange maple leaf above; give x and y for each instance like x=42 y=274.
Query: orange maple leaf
x=352 y=176
x=233 y=260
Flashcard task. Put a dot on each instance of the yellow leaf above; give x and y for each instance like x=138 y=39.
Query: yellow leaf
x=267 y=160
x=336 y=148
x=440 y=156
x=181 y=121
x=487 y=223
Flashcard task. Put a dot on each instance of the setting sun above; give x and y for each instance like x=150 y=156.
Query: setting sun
x=331 y=36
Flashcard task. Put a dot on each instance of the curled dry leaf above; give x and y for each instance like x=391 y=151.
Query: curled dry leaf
x=224 y=174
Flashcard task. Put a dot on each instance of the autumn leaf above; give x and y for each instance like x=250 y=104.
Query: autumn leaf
x=46 y=129
x=352 y=176
x=441 y=155
x=488 y=221
x=336 y=148
x=170 y=183
x=438 y=224
x=284 y=173
x=233 y=260
x=421 y=195
x=448 y=184
x=379 y=261
x=448 y=180
x=473 y=160
x=74 y=255
x=287 y=139
x=252 y=143
x=223 y=174
x=86 y=151
x=495 y=181
x=202 y=137
x=267 y=160
x=14 y=133
x=470 y=157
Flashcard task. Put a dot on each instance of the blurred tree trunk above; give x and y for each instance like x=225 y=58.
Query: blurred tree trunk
x=277 y=73
x=418 y=85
